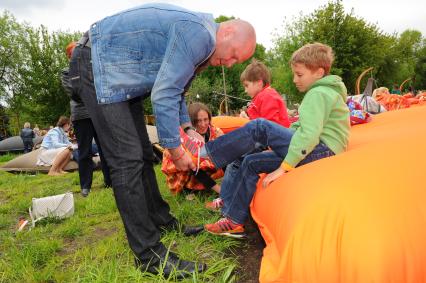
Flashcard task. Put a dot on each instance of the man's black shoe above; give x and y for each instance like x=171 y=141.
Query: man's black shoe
x=171 y=266
x=192 y=230
x=171 y=226
x=85 y=192
x=187 y=230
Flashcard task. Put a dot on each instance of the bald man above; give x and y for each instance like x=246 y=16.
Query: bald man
x=151 y=50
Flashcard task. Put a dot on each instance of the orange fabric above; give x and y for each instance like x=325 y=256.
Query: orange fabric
x=70 y=48
x=356 y=217
x=393 y=101
x=228 y=123
x=177 y=180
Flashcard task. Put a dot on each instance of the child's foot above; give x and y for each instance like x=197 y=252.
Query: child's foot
x=191 y=144
x=214 y=205
x=226 y=227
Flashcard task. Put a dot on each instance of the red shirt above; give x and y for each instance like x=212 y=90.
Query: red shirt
x=270 y=105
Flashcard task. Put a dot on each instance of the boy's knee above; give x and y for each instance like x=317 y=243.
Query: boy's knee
x=248 y=162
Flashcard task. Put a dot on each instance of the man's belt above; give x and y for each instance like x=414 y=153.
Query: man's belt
x=85 y=41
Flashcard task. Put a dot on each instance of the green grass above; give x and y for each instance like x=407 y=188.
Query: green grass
x=7 y=157
x=91 y=245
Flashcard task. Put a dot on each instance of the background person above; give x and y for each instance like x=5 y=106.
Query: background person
x=56 y=149
x=27 y=136
x=84 y=133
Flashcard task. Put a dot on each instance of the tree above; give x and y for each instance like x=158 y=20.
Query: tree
x=420 y=68
x=30 y=69
x=356 y=44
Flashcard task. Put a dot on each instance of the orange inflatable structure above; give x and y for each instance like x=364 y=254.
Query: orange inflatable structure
x=356 y=217
x=228 y=123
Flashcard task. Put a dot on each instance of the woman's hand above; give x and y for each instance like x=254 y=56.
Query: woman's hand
x=272 y=177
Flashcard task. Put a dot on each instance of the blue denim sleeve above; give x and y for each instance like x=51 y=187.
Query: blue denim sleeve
x=189 y=45
x=57 y=140
x=183 y=113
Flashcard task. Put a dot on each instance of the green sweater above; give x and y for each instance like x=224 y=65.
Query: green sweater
x=323 y=116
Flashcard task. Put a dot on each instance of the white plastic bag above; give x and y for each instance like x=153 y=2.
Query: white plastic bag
x=60 y=206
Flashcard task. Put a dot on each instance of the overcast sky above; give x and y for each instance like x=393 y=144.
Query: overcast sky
x=265 y=15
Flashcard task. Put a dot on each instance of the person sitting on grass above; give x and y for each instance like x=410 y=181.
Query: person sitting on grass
x=56 y=149
x=321 y=131
x=201 y=117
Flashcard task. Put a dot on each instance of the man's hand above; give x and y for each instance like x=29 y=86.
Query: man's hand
x=181 y=159
x=272 y=177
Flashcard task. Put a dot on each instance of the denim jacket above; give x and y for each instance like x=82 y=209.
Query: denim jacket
x=55 y=138
x=153 y=49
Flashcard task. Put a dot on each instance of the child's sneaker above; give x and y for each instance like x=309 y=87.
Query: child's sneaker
x=226 y=227
x=192 y=146
x=215 y=204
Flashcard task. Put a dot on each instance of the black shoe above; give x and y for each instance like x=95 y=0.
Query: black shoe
x=187 y=230
x=85 y=192
x=170 y=265
x=192 y=230
x=171 y=226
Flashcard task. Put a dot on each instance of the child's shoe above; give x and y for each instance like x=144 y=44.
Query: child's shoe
x=226 y=227
x=192 y=146
x=214 y=205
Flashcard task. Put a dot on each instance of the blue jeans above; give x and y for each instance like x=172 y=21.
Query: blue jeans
x=240 y=180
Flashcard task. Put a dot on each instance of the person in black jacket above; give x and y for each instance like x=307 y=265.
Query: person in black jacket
x=27 y=136
x=85 y=133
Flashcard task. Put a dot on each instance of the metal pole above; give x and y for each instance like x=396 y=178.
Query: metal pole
x=224 y=90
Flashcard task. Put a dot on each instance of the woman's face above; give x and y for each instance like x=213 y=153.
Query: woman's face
x=66 y=127
x=203 y=122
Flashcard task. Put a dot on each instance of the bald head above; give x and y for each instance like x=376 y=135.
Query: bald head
x=235 y=43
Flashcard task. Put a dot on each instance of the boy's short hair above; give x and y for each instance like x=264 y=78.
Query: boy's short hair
x=313 y=56
x=256 y=71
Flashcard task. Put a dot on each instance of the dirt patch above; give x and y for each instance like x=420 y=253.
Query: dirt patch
x=102 y=232
x=250 y=254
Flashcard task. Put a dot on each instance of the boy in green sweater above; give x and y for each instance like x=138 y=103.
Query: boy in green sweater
x=322 y=131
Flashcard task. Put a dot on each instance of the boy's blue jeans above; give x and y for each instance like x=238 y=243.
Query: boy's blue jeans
x=241 y=176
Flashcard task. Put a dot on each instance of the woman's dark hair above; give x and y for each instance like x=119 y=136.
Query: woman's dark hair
x=193 y=110
x=63 y=120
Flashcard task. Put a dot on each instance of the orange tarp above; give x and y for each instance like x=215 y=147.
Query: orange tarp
x=356 y=217
x=228 y=123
